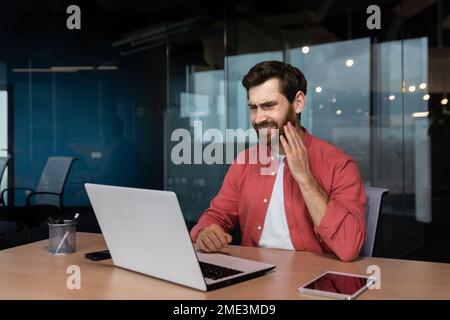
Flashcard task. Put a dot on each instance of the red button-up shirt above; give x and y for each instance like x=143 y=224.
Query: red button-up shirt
x=245 y=195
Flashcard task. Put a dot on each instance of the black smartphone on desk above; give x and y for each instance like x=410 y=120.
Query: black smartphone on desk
x=97 y=256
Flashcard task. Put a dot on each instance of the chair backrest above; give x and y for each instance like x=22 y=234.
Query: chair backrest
x=53 y=179
x=3 y=164
x=374 y=197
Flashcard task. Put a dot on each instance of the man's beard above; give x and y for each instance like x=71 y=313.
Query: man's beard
x=269 y=124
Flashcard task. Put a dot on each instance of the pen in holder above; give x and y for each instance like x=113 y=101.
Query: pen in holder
x=62 y=237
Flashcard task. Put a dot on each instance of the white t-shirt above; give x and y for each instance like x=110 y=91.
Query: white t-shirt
x=276 y=232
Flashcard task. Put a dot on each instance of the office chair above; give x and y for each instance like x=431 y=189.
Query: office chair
x=374 y=198
x=48 y=194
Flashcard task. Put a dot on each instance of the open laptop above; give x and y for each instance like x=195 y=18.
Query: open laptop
x=145 y=232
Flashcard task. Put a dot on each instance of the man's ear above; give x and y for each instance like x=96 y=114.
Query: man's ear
x=299 y=102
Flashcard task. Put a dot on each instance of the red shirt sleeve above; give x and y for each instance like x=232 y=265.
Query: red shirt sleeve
x=223 y=208
x=343 y=228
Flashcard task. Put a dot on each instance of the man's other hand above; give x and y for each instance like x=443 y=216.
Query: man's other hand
x=212 y=238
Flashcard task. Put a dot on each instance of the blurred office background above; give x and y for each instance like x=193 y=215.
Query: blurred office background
x=112 y=93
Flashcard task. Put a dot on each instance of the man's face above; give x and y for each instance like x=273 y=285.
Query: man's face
x=270 y=110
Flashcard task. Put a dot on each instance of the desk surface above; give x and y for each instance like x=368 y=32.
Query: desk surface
x=29 y=272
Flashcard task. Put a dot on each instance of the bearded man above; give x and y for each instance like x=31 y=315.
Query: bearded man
x=314 y=200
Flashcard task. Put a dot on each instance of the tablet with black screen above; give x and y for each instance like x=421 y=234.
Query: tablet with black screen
x=338 y=285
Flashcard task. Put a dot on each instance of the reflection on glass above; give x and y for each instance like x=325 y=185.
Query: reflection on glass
x=199 y=106
x=337 y=110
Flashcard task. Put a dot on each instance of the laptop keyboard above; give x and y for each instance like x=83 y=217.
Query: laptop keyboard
x=215 y=272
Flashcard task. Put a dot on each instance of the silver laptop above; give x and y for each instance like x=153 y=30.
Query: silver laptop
x=145 y=232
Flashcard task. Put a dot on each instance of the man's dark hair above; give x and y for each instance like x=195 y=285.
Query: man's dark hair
x=291 y=79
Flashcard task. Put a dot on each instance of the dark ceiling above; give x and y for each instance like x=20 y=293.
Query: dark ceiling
x=27 y=24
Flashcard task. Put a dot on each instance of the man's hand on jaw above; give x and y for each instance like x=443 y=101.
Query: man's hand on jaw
x=297 y=158
x=212 y=238
x=296 y=155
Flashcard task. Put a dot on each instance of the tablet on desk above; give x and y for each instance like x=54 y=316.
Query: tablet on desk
x=338 y=285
